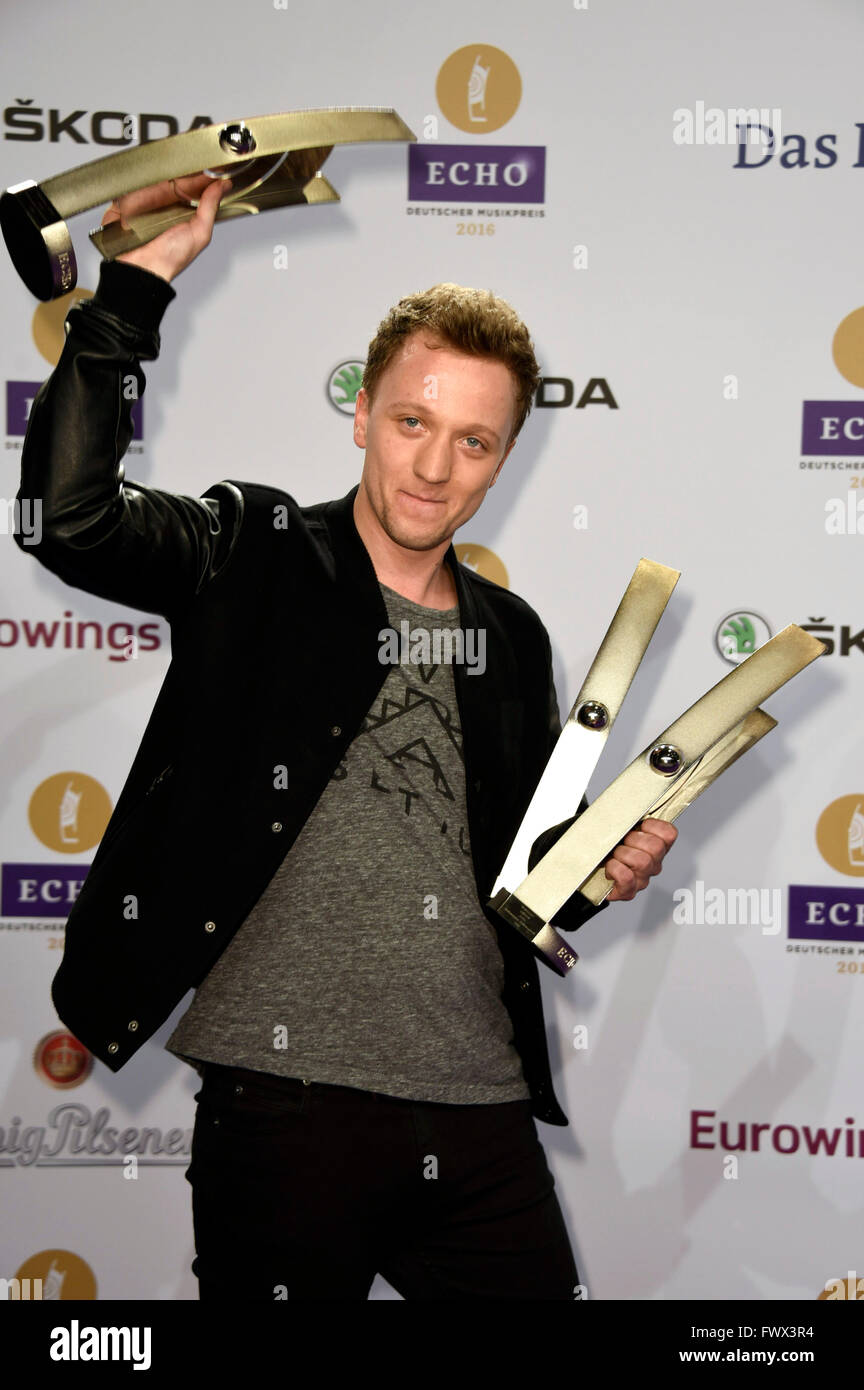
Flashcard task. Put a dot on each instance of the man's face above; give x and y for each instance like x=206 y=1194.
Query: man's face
x=435 y=437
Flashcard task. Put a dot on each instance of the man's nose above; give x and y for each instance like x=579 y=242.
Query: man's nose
x=433 y=462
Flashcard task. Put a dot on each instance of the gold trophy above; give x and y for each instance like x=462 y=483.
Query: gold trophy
x=662 y=781
x=272 y=162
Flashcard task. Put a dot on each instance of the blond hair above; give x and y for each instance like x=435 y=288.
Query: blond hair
x=468 y=320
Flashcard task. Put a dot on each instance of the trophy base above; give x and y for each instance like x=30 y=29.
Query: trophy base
x=548 y=945
x=38 y=241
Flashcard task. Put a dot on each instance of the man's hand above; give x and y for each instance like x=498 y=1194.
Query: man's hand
x=174 y=249
x=638 y=857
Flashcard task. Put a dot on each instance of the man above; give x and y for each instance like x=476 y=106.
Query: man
x=310 y=831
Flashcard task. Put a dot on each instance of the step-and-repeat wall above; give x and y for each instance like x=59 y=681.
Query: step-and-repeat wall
x=669 y=195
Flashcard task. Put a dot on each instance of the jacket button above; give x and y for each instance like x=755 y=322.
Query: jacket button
x=209 y=926
x=133 y=1025
x=524 y=984
x=336 y=730
x=113 y=1047
x=305 y=1082
x=276 y=826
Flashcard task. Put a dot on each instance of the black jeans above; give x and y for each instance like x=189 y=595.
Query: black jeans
x=305 y=1190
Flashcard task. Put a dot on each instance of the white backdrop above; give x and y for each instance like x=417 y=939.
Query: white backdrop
x=706 y=296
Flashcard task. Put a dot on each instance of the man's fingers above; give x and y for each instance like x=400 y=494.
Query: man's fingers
x=177 y=246
x=638 y=858
x=642 y=861
x=194 y=185
x=160 y=195
x=208 y=205
x=200 y=227
x=641 y=839
x=624 y=879
x=664 y=828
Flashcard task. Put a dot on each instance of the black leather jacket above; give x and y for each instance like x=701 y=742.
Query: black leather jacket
x=274 y=642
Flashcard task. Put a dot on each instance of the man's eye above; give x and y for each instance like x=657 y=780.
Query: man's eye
x=475 y=439
x=407 y=419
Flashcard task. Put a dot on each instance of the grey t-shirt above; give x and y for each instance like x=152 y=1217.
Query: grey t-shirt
x=368 y=961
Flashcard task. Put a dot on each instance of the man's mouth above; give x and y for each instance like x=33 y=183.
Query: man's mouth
x=427 y=501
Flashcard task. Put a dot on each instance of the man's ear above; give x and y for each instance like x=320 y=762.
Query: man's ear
x=361 y=415
x=501 y=464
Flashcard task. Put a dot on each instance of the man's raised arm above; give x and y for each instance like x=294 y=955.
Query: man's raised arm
x=136 y=545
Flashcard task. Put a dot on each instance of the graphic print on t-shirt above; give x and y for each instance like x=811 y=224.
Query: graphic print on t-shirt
x=413 y=759
x=409 y=745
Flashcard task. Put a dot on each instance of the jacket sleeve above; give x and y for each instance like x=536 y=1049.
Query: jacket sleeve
x=577 y=909
x=123 y=541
